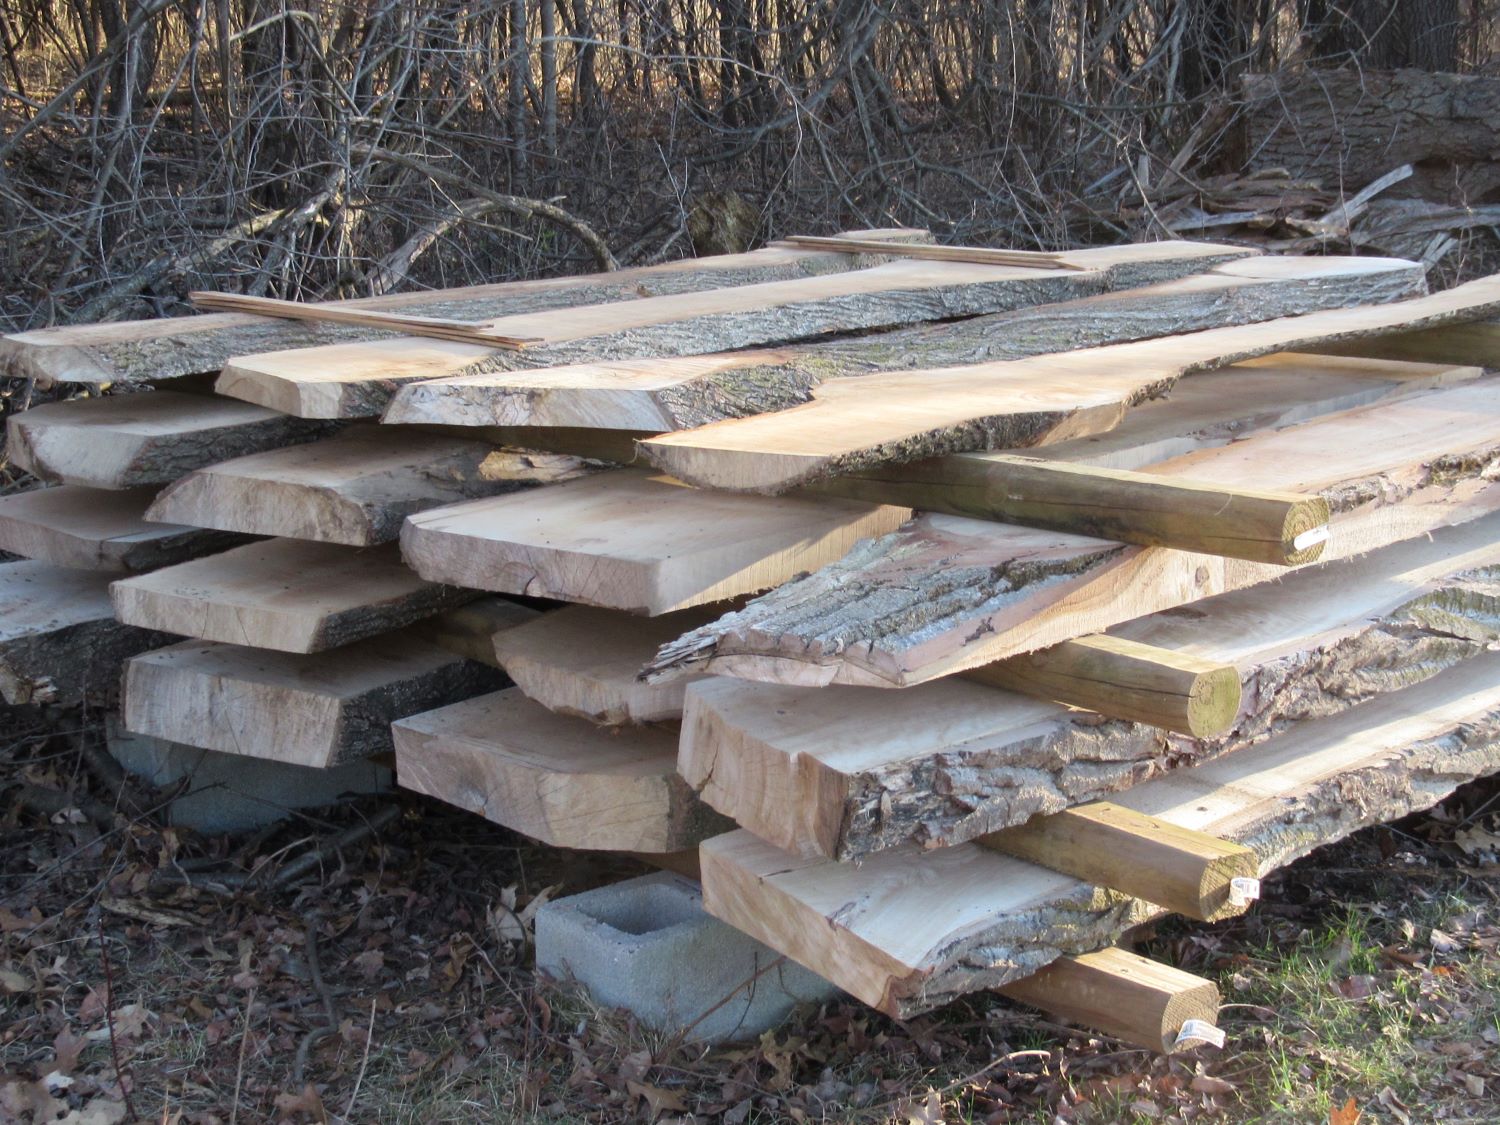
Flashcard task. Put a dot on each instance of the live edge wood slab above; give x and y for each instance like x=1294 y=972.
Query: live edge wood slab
x=906 y=931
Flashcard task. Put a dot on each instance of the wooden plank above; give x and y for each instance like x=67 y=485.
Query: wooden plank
x=986 y=255
x=143 y=350
x=354 y=380
x=286 y=707
x=584 y=661
x=844 y=771
x=558 y=779
x=1125 y=679
x=131 y=440
x=59 y=640
x=906 y=931
x=353 y=489
x=907 y=416
x=945 y=594
x=630 y=540
x=284 y=594
x=683 y=392
x=1179 y=869
x=94 y=529
x=1233 y=520
x=1122 y=994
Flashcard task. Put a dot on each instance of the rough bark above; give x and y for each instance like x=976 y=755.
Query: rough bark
x=1349 y=126
x=361 y=377
x=59 y=640
x=140 y=351
x=907 y=931
x=680 y=394
x=766 y=755
x=944 y=594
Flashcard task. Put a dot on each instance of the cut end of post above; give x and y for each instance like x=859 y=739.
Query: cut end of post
x=1306 y=532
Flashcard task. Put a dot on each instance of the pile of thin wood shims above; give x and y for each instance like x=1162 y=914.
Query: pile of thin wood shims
x=951 y=611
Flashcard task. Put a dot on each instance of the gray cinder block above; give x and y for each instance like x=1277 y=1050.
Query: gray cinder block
x=231 y=792
x=646 y=945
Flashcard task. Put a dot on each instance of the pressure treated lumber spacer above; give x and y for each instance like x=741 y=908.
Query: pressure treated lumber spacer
x=1234 y=521
x=1122 y=994
x=1477 y=342
x=471 y=630
x=1187 y=872
x=1128 y=680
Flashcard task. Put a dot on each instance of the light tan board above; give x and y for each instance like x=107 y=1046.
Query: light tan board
x=906 y=416
x=353 y=489
x=130 y=440
x=93 y=529
x=141 y=350
x=558 y=779
x=584 y=661
x=59 y=640
x=906 y=931
x=845 y=771
x=284 y=594
x=945 y=594
x=654 y=395
x=357 y=380
x=305 y=710
x=632 y=541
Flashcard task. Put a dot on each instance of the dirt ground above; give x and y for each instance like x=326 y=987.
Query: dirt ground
x=371 y=964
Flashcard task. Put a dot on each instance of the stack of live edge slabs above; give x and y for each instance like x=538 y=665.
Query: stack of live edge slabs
x=1099 y=583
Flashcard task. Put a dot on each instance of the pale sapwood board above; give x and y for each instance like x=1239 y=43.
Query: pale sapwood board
x=944 y=593
x=95 y=529
x=905 y=931
x=845 y=771
x=353 y=489
x=584 y=661
x=556 y=778
x=319 y=710
x=131 y=440
x=59 y=640
x=143 y=350
x=356 y=380
x=908 y=416
x=630 y=540
x=654 y=395
x=284 y=594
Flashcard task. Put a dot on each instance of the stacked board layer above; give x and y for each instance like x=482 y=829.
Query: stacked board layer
x=959 y=610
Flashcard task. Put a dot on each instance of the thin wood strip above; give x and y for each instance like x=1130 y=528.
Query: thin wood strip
x=457 y=331
x=977 y=255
